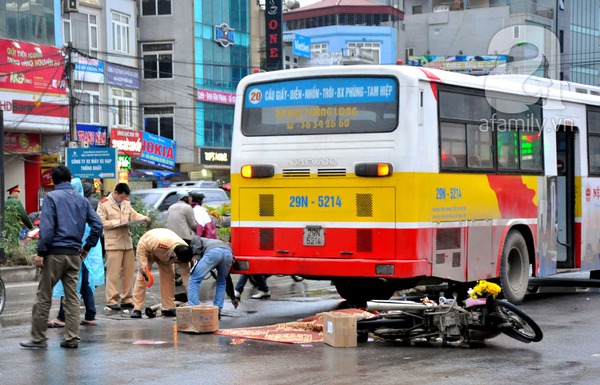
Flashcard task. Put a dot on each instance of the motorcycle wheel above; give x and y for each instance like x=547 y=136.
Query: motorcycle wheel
x=2 y=295
x=515 y=323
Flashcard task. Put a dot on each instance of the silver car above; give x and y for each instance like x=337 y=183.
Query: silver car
x=161 y=199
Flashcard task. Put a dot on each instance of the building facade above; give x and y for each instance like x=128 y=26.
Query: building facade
x=342 y=32
x=435 y=27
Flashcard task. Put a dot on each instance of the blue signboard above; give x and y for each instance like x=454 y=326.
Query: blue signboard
x=92 y=134
x=89 y=70
x=92 y=163
x=301 y=46
x=122 y=76
x=158 y=150
x=320 y=91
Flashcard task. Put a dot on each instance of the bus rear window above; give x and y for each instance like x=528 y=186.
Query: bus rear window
x=321 y=106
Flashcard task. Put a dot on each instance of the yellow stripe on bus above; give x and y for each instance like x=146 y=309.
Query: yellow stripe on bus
x=403 y=197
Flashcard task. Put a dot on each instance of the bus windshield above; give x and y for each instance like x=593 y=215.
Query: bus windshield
x=311 y=106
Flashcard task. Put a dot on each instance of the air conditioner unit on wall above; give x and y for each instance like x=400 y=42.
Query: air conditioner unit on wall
x=70 y=6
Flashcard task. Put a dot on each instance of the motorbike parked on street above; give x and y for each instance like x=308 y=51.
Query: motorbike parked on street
x=2 y=295
x=447 y=322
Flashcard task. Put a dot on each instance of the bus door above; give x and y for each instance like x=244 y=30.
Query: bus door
x=565 y=155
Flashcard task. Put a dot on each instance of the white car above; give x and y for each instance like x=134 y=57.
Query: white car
x=161 y=199
x=195 y=183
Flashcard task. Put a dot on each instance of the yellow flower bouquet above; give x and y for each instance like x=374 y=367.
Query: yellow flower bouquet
x=484 y=289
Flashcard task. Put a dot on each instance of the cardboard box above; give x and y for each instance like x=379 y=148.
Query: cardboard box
x=339 y=329
x=197 y=319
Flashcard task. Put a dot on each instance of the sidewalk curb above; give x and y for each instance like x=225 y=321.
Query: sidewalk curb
x=13 y=274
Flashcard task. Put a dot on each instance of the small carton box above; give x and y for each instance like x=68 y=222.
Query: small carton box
x=339 y=329
x=197 y=319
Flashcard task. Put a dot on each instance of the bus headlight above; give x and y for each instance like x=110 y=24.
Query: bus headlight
x=373 y=169
x=258 y=171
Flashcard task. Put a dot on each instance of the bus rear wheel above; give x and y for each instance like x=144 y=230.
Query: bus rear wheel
x=514 y=267
x=358 y=291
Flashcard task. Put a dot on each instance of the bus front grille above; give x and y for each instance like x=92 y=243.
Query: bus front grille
x=331 y=172
x=295 y=172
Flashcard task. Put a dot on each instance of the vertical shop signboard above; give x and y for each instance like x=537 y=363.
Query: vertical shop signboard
x=274 y=45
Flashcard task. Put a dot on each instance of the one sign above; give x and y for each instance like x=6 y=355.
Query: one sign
x=128 y=142
x=224 y=35
x=274 y=43
x=122 y=76
x=89 y=70
x=22 y=143
x=90 y=163
x=216 y=96
x=157 y=150
x=215 y=156
x=92 y=134
x=301 y=46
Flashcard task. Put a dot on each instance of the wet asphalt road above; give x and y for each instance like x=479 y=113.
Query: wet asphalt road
x=110 y=353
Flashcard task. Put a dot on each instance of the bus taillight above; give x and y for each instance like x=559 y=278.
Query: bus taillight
x=373 y=169
x=258 y=171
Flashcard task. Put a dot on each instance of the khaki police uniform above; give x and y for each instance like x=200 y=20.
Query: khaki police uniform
x=120 y=259
x=157 y=245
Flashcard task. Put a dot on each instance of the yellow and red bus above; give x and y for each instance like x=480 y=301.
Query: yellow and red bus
x=380 y=178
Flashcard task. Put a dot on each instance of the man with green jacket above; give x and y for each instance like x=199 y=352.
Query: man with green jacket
x=13 y=200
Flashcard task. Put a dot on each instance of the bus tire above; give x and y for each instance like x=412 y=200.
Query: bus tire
x=514 y=267
x=358 y=291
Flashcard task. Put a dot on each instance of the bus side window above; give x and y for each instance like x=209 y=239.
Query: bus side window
x=474 y=161
x=449 y=161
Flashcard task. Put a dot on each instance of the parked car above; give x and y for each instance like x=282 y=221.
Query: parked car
x=161 y=199
x=195 y=183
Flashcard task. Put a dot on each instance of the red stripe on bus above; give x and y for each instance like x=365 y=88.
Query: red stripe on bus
x=430 y=75
x=515 y=199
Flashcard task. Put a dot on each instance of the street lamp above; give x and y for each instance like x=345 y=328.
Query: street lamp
x=498 y=54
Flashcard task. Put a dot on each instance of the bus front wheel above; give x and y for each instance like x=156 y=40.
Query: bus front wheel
x=514 y=268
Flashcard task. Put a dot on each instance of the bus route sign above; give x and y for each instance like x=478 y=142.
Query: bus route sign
x=92 y=163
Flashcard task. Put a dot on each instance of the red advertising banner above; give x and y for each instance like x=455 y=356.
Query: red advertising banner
x=22 y=143
x=31 y=67
x=126 y=142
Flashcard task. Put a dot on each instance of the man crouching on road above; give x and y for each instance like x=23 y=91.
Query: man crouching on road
x=164 y=247
x=209 y=254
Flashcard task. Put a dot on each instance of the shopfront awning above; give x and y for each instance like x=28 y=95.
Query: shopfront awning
x=154 y=173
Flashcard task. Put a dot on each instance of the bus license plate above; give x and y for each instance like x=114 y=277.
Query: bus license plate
x=314 y=236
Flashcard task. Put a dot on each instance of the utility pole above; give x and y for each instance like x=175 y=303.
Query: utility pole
x=69 y=70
